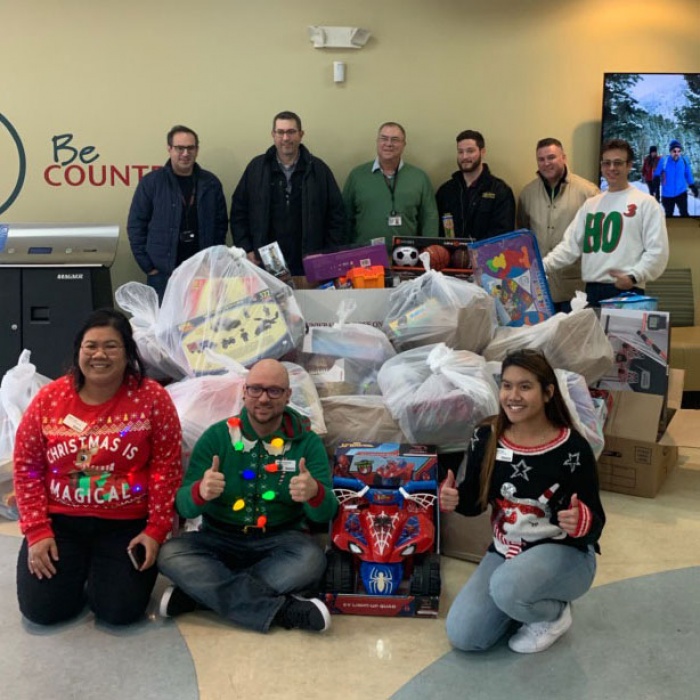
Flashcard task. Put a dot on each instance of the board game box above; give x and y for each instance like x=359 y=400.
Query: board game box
x=509 y=268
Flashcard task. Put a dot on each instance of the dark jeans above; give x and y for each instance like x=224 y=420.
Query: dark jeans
x=597 y=291
x=159 y=282
x=243 y=578
x=670 y=203
x=655 y=188
x=93 y=567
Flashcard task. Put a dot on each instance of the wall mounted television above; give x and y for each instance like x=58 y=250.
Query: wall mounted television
x=660 y=110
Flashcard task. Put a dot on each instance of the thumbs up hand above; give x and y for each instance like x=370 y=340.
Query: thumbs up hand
x=303 y=487
x=569 y=518
x=449 y=496
x=213 y=482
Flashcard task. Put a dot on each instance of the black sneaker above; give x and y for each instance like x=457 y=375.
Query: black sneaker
x=304 y=614
x=176 y=602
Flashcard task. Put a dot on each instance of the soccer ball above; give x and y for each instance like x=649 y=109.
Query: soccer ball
x=405 y=256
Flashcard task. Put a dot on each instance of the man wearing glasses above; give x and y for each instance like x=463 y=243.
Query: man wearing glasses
x=620 y=235
x=256 y=479
x=176 y=211
x=388 y=197
x=289 y=196
x=676 y=177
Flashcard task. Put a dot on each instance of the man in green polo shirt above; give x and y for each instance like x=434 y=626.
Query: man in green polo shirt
x=388 y=197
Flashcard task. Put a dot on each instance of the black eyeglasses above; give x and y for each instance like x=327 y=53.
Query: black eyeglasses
x=273 y=392
x=185 y=149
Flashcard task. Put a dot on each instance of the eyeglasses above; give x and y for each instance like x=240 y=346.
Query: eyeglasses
x=675 y=150
x=185 y=149
x=390 y=139
x=107 y=348
x=611 y=163
x=255 y=391
x=285 y=132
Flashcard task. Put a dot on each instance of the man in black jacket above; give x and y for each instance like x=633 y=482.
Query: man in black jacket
x=481 y=204
x=289 y=196
x=176 y=211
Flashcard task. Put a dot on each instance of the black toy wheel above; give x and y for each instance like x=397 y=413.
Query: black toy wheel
x=340 y=575
x=426 y=576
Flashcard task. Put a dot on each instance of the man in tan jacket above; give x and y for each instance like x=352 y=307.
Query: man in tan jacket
x=547 y=205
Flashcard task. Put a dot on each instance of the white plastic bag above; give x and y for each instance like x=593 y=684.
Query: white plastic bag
x=426 y=310
x=141 y=302
x=219 y=300
x=438 y=395
x=18 y=387
x=574 y=341
x=583 y=412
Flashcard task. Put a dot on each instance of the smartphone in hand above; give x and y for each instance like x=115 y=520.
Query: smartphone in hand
x=137 y=554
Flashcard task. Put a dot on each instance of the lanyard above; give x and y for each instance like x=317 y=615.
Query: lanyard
x=189 y=203
x=391 y=186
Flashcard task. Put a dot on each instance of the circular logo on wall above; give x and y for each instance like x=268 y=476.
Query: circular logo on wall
x=14 y=164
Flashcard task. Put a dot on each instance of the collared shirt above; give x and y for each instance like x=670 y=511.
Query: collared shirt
x=554 y=191
x=376 y=165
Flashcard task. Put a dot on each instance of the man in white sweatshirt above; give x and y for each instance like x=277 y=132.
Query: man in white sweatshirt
x=620 y=235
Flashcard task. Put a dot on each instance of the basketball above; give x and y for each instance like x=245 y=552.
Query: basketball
x=439 y=256
x=460 y=259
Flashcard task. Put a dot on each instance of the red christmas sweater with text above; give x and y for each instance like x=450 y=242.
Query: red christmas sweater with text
x=120 y=459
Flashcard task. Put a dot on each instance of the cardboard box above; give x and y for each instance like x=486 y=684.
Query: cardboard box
x=639 y=454
x=327 y=266
x=388 y=504
x=319 y=307
x=459 y=264
x=465 y=538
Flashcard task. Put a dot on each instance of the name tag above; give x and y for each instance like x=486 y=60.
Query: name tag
x=287 y=465
x=395 y=220
x=74 y=423
x=503 y=454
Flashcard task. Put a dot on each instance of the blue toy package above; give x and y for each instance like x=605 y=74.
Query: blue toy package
x=509 y=267
x=631 y=300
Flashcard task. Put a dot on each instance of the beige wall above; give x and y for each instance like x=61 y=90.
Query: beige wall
x=118 y=75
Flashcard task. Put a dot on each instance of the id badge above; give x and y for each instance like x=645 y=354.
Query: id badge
x=287 y=465
x=503 y=454
x=394 y=220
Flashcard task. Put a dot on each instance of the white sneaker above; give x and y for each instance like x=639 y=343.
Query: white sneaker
x=538 y=636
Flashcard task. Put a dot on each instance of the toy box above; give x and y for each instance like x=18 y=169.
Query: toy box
x=327 y=266
x=640 y=342
x=629 y=300
x=509 y=268
x=384 y=554
x=406 y=265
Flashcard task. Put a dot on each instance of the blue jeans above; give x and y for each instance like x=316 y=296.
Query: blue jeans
x=533 y=586
x=243 y=578
x=93 y=567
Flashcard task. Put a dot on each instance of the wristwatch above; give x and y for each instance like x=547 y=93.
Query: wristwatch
x=633 y=278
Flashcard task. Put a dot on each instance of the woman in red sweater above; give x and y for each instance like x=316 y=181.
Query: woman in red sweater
x=97 y=463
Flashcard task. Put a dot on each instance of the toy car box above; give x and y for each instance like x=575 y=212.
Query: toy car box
x=509 y=268
x=320 y=267
x=384 y=553
x=640 y=342
x=406 y=265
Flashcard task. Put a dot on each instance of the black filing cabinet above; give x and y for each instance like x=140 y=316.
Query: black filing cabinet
x=42 y=308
